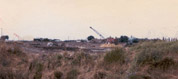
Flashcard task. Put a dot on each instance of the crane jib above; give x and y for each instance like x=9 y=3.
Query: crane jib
x=97 y=32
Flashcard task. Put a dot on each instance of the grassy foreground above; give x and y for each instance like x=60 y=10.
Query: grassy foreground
x=146 y=60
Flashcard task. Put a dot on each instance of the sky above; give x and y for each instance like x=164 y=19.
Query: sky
x=71 y=19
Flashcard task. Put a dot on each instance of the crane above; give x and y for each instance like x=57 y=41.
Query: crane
x=97 y=33
x=18 y=37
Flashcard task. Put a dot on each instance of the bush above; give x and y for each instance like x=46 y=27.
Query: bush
x=116 y=55
x=15 y=50
x=164 y=47
x=4 y=62
x=153 y=52
x=164 y=64
x=39 y=68
x=137 y=76
x=54 y=61
x=148 y=56
x=77 y=60
x=100 y=75
x=37 y=76
x=73 y=74
x=79 y=57
x=7 y=73
x=36 y=65
x=58 y=74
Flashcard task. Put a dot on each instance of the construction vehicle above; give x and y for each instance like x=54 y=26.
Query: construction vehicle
x=104 y=40
x=18 y=37
x=102 y=37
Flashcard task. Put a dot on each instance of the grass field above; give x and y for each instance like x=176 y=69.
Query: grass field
x=145 y=60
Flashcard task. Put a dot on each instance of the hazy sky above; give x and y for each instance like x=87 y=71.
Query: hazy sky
x=71 y=19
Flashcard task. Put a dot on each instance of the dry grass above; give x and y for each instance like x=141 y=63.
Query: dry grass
x=115 y=56
x=155 y=58
x=149 y=60
x=58 y=75
x=73 y=74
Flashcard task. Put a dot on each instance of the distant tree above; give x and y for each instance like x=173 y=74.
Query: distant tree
x=46 y=40
x=6 y=37
x=116 y=41
x=123 y=39
x=90 y=37
x=136 y=40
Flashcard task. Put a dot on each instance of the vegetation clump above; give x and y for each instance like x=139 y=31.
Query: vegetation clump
x=138 y=76
x=79 y=57
x=164 y=64
x=116 y=55
x=100 y=75
x=15 y=50
x=147 y=60
x=148 y=56
x=73 y=74
x=39 y=68
x=58 y=74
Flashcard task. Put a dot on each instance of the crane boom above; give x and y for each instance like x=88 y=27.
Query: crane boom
x=18 y=37
x=97 y=32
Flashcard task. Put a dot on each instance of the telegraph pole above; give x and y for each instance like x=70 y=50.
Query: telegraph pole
x=1 y=32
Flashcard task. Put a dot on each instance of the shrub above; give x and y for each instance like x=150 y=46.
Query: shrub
x=165 y=47
x=58 y=74
x=4 y=62
x=116 y=55
x=7 y=73
x=39 y=68
x=164 y=64
x=54 y=61
x=73 y=74
x=37 y=76
x=79 y=57
x=100 y=75
x=36 y=65
x=59 y=57
x=137 y=76
x=15 y=50
x=148 y=56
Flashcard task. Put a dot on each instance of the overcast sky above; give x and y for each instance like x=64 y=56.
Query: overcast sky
x=71 y=19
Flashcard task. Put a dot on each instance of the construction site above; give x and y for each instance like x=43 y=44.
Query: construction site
x=88 y=39
x=91 y=44
x=103 y=58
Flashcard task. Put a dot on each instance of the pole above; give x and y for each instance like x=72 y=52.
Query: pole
x=1 y=32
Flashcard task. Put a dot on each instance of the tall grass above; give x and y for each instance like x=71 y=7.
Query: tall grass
x=12 y=60
x=158 y=55
x=58 y=75
x=73 y=74
x=149 y=60
x=115 y=56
